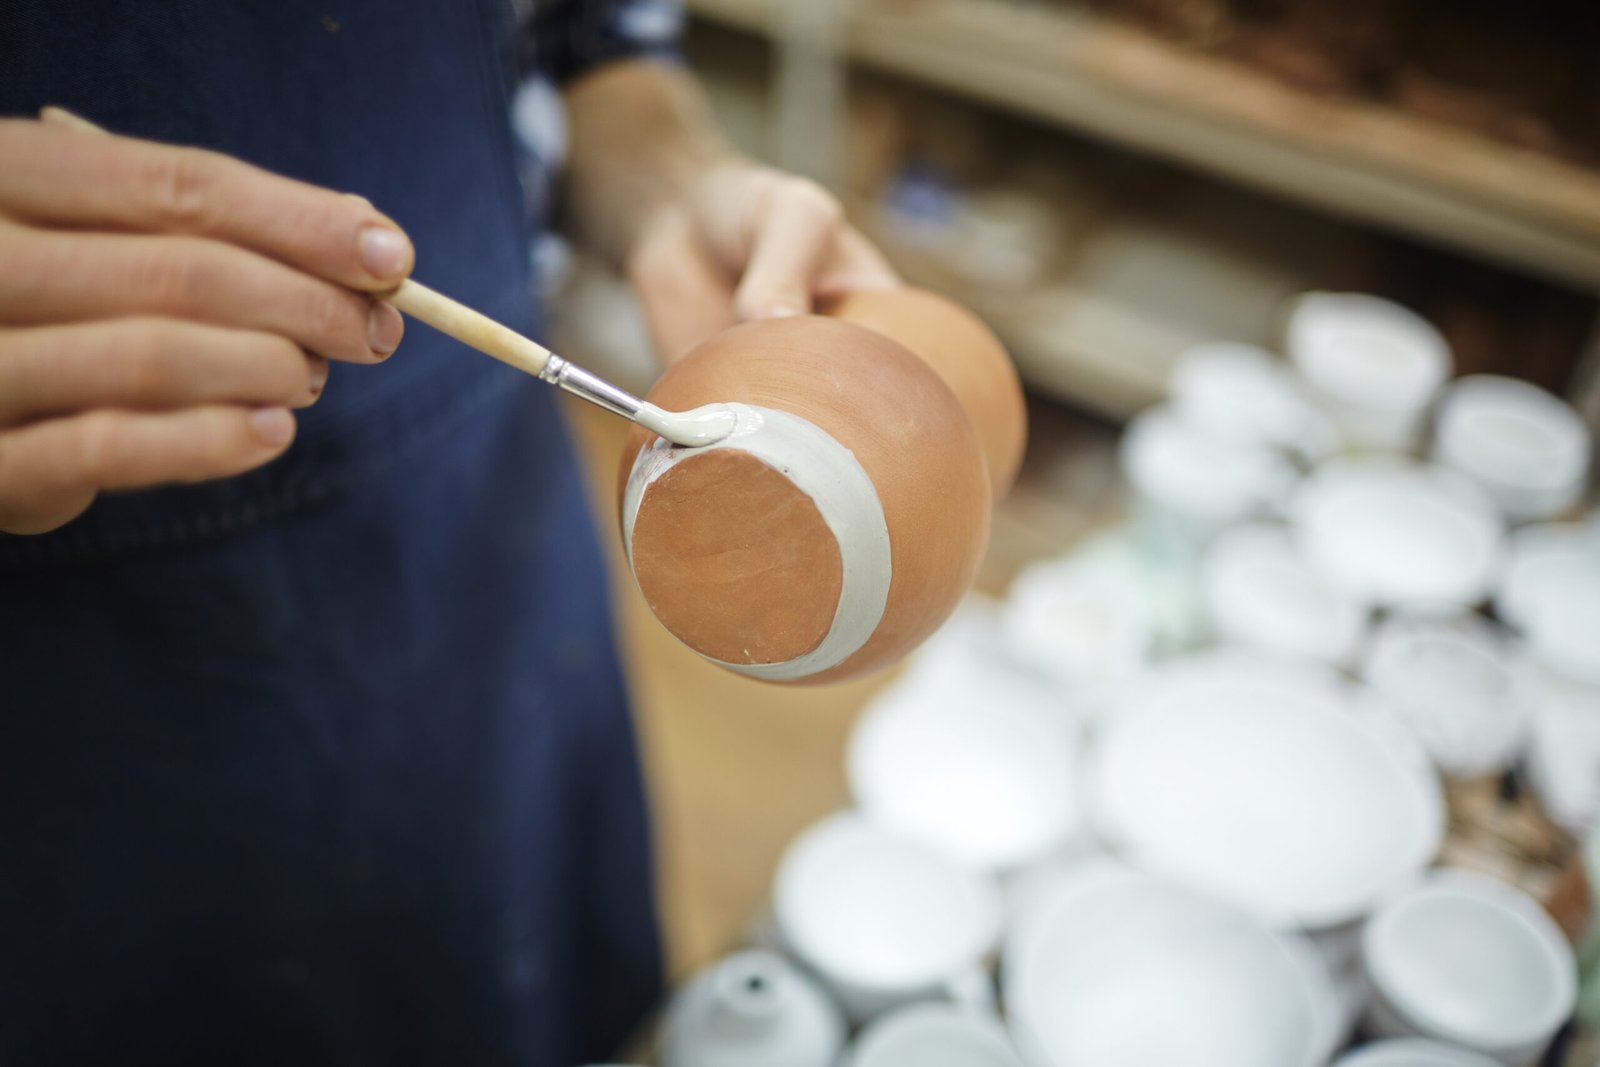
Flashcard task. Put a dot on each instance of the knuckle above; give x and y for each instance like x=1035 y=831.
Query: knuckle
x=167 y=277
x=331 y=316
x=180 y=185
x=100 y=447
x=806 y=195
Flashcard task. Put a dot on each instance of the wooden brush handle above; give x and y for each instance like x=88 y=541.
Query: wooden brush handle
x=471 y=328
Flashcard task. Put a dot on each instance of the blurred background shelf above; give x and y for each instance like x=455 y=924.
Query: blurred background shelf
x=1114 y=82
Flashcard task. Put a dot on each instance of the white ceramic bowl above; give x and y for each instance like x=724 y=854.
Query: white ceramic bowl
x=1528 y=449
x=1461 y=685
x=1413 y=1052
x=933 y=1035
x=1467 y=959
x=882 y=919
x=1543 y=561
x=1400 y=535
x=982 y=767
x=1085 y=620
x=1117 y=968
x=1196 y=482
x=1243 y=394
x=1375 y=366
x=1563 y=762
x=1255 y=781
x=1259 y=591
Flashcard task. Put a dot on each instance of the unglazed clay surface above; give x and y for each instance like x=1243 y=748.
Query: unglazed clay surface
x=905 y=431
x=963 y=352
x=808 y=515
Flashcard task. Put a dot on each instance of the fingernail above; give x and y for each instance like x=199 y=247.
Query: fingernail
x=273 y=426
x=384 y=252
x=384 y=329
x=319 y=376
x=782 y=311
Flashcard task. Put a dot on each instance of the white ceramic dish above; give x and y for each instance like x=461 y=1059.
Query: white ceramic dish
x=1395 y=534
x=1544 y=561
x=883 y=919
x=1469 y=960
x=1461 y=685
x=1117 y=968
x=1413 y=1052
x=1259 y=591
x=1375 y=366
x=933 y=1035
x=1243 y=394
x=1529 y=450
x=982 y=768
x=1254 y=781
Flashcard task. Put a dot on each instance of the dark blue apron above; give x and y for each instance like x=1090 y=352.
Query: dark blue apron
x=330 y=763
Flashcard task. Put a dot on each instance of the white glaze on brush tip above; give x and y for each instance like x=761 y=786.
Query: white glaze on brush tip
x=694 y=428
x=845 y=497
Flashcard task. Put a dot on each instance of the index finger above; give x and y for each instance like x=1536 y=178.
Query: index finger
x=58 y=175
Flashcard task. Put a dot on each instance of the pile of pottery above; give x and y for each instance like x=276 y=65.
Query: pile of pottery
x=1178 y=798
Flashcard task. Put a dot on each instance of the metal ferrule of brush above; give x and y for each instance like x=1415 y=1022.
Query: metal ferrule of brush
x=595 y=390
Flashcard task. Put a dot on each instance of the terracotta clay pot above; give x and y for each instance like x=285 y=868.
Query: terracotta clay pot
x=845 y=518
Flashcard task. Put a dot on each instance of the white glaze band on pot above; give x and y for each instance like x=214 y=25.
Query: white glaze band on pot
x=827 y=472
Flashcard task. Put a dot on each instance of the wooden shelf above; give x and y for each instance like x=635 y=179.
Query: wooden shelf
x=1363 y=161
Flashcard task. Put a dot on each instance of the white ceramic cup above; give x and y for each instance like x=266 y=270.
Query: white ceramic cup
x=1373 y=365
x=1527 y=449
x=1545 y=561
x=1466 y=959
x=1413 y=1052
x=1461 y=685
x=933 y=1035
x=885 y=920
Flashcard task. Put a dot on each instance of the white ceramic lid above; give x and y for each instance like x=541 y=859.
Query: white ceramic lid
x=1176 y=466
x=979 y=764
x=1413 y=1052
x=1256 y=782
x=1259 y=591
x=1398 y=534
x=1366 y=351
x=1461 y=685
x=1471 y=960
x=879 y=910
x=933 y=1035
x=1529 y=449
x=1117 y=968
x=1245 y=395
